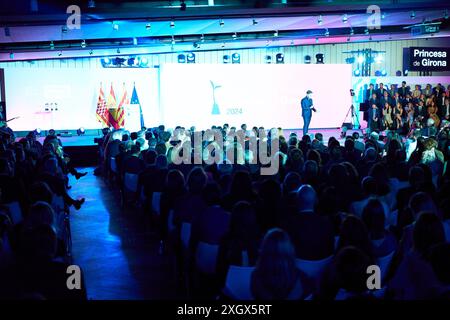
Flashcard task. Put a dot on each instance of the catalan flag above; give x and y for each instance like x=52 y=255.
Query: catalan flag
x=121 y=108
x=135 y=101
x=112 y=108
x=102 y=112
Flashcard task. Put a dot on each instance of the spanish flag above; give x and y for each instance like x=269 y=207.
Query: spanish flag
x=121 y=108
x=111 y=105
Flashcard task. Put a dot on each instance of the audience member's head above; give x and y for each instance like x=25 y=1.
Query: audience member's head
x=306 y=198
x=428 y=231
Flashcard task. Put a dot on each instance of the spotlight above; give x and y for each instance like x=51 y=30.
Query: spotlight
x=52 y=45
x=366 y=31
x=254 y=22
x=360 y=59
x=307 y=59
x=223 y=45
x=202 y=38
x=320 y=20
x=80 y=131
x=446 y=14
x=327 y=33
x=11 y=55
x=118 y=50
x=190 y=57
x=383 y=15
x=279 y=58
x=379 y=58
x=83 y=44
x=413 y=15
x=181 y=58
x=172 y=24
x=60 y=54
x=383 y=73
x=267 y=43
x=135 y=41
x=173 y=41
x=319 y=58
x=275 y=34
x=115 y=26
x=132 y=61
x=234 y=36
x=317 y=40
x=352 y=32
x=105 y=61
x=182 y=5
x=221 y=23
x=226 y=58
x=292 y=43
x=143 y=62
x=344 y=18
x=405 y=72
x=378 y=73
x=91 y=52
x=196 y=45
x=268 y=59
x=235 y=58
x=357 y=73
x=148 y=26
x=350 y=60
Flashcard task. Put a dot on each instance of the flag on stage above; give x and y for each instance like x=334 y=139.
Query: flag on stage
x=121 y=108
x=112 y=108
x=135 y=101
x=102 y=112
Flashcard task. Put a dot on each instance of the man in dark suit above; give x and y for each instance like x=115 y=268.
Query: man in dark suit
x=369 y=92
x=381 y=90
x=385 y=99
x=420 y=110
x=403 y=90
x=373 y=100
x=445 y=110
x=311 y=234
x=307 y=108
x=374 y=121
x=392 y=90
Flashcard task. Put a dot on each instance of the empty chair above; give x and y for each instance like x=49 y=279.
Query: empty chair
x=384 y=263
x=114 y=165
x=58 y=204
x=156 y=201
x=206 y=257
x=185 y=234
x=131 y=182
x=313 y=268
x=237 y=284
x=14 y=212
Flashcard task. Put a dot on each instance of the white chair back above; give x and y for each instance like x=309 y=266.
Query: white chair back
x=113 y=165
x=156 y=202
x=237 y=284
x=384 y=263
x=206 y=257
x=15 y=212
x=131 y=182
x=313 y=268
x=185 y=234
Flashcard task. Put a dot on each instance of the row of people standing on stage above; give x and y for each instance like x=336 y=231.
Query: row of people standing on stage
x=400 y=109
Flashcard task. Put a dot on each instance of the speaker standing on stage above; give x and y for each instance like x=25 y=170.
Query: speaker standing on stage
x=307 y=106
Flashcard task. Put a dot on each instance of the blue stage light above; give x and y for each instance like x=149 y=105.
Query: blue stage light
x=280 y=58
x=181 y=58
x=105 y=61
x=143 y=62
x=226 y=58
x=236 y=58
x=357 y=73
x=383 y=73
x=190 y=57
